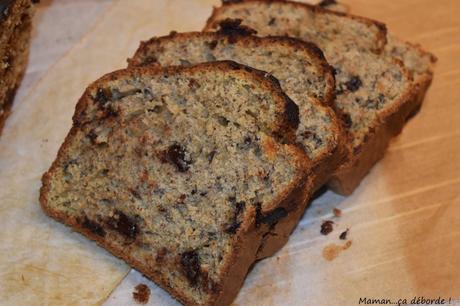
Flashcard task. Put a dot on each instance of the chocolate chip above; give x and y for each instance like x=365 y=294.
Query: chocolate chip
x=190 y=262
x=336 y=71
x=292 y=112
x=238 y=208
x=272 y=21
x=354 y=83
x=271 y=218
x=211 y=155
x=135 y=194
x=346 y=119
x=124 y=225
x=147 y=92
x=326 y=227
x=176 y=155
x=93 y=226
x=233 y=27
x=102 y=96
x=326 y=3
x=110 y=111
x=343 y=235
x=181 y=199
x=212 y=44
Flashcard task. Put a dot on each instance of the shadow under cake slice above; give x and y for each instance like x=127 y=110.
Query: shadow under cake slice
x=167 y=169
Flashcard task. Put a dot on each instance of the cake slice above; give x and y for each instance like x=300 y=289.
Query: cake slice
x=304 y=76
x=373 y=90
x=168 y=169
x=15 y=30
x=419 y=62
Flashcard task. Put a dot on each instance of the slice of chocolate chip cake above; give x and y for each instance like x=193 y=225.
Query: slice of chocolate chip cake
x=171 y=170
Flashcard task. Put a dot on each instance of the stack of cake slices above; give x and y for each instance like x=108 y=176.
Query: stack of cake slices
x=200 y=158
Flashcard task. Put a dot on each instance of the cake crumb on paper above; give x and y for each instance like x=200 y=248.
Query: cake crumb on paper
x=141 y=294
x=326 y=227
x=337 y=212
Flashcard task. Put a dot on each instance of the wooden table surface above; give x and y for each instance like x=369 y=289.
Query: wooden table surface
x=404 y=219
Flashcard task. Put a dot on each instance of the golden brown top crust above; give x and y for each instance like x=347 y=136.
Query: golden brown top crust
x=380 y=28
x=244 y=35
x=283 y=130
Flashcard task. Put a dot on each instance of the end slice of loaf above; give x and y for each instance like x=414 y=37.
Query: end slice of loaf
x=303 y=20
x=304 y=76
x=419 y=62
x=372 y=91
x=167 y=169
x=15 y=30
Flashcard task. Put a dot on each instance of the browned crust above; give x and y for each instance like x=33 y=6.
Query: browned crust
x=390 y=123
x=7 y=106
x=287 y=110
x=322 y=169
x=423 y=81
x=381 y=38
x=248 y=238
x=15 y=12
x=309 y=48
x=11 y=93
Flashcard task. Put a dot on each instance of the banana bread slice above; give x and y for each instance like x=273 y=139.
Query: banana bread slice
x=168 y=169
x=15 y=30
x=419 y=62
x=308 y=81
x=373 y=91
